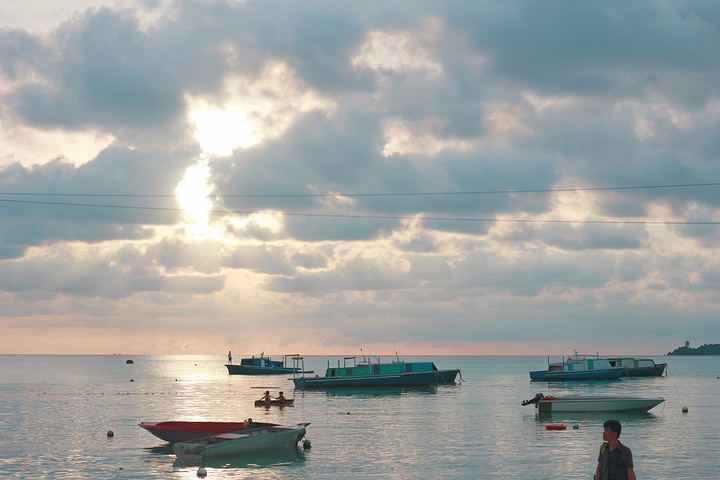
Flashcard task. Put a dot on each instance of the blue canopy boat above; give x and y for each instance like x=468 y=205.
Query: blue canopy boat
x=579 y=367
x=368 y=374
x=262 y=365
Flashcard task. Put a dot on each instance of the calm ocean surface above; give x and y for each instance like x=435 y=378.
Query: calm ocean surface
x=55 y=412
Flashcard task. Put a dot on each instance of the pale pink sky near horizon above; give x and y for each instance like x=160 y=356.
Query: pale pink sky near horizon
x=84 y=344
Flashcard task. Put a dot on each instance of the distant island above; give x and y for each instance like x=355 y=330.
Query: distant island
x=707 y=349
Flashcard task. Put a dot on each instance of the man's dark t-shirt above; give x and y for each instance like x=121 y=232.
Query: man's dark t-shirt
x=614 y=465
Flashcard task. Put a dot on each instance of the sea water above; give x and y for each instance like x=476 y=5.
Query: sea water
x=56 y=412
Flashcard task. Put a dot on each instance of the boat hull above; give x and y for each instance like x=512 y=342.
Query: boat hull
x=239 y=443
x=407 y=379
x=274 y=403
x=604 y=374
x=597 y=404
x=446 y=376
x=252 y=370
x=654 y=371
x=174 y=432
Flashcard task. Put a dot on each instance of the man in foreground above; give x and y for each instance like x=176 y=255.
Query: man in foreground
x=615 y=461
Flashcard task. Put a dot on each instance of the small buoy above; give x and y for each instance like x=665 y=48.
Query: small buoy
x=576 y=426
x=132 y=380
x=202 y=472
x=129 y=362
x=110 y=433
x=306 y=444
x=684 y=409
x=555 y=427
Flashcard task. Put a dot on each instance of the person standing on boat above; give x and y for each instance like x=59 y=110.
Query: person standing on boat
x=229 y=356
x=615 y=461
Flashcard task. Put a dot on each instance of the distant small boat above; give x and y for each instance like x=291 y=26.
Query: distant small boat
x=262 y=365
x=280 y=403
x=376 y=374
x=545 y=404
x=579 y=367
x=253 y=440
x=185 y=431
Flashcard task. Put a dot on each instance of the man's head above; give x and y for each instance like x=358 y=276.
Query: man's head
x=611 y=428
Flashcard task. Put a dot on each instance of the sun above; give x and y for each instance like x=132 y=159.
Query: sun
x=221 y=131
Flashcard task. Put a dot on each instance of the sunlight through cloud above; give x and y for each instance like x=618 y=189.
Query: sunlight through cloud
x=401 y=50
x=221 y=131
x=271 y=102
x=192 y=193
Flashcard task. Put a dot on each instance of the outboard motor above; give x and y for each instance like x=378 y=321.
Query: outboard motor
x=534 y=400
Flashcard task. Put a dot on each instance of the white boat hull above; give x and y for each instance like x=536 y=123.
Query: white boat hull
x=597 y=404
x=239 y=443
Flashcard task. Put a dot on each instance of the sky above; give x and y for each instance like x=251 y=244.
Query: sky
x=324 y=177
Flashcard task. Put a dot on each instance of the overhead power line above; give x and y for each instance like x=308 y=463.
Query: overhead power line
x=376 y=217
x=398 y=194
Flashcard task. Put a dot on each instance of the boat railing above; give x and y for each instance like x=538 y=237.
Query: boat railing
x=285 y=359
x=298 y=364
x=345 y=362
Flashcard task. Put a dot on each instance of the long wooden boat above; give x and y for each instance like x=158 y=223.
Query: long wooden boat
x=579 y=368
x=377 y=374
x=174 y=432
x=545 y=404
x=262 y=365
x=252 y=440
x=639 y=367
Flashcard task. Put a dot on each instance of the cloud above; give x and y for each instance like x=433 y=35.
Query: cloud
x=434 y=174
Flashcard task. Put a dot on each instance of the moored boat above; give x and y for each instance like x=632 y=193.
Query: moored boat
x=377 y=374
x=579 y=367
x=265 y=438
x=639 y=367
x=545 y=404
x=262 y=365
x=184 y=431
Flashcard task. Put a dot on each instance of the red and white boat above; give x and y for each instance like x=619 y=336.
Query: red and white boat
x=273 y=403
x=175 y=432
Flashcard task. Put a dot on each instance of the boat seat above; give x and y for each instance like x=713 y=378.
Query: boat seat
x=232 y=436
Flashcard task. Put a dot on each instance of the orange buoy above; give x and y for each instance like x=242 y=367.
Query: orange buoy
x=555 y=427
